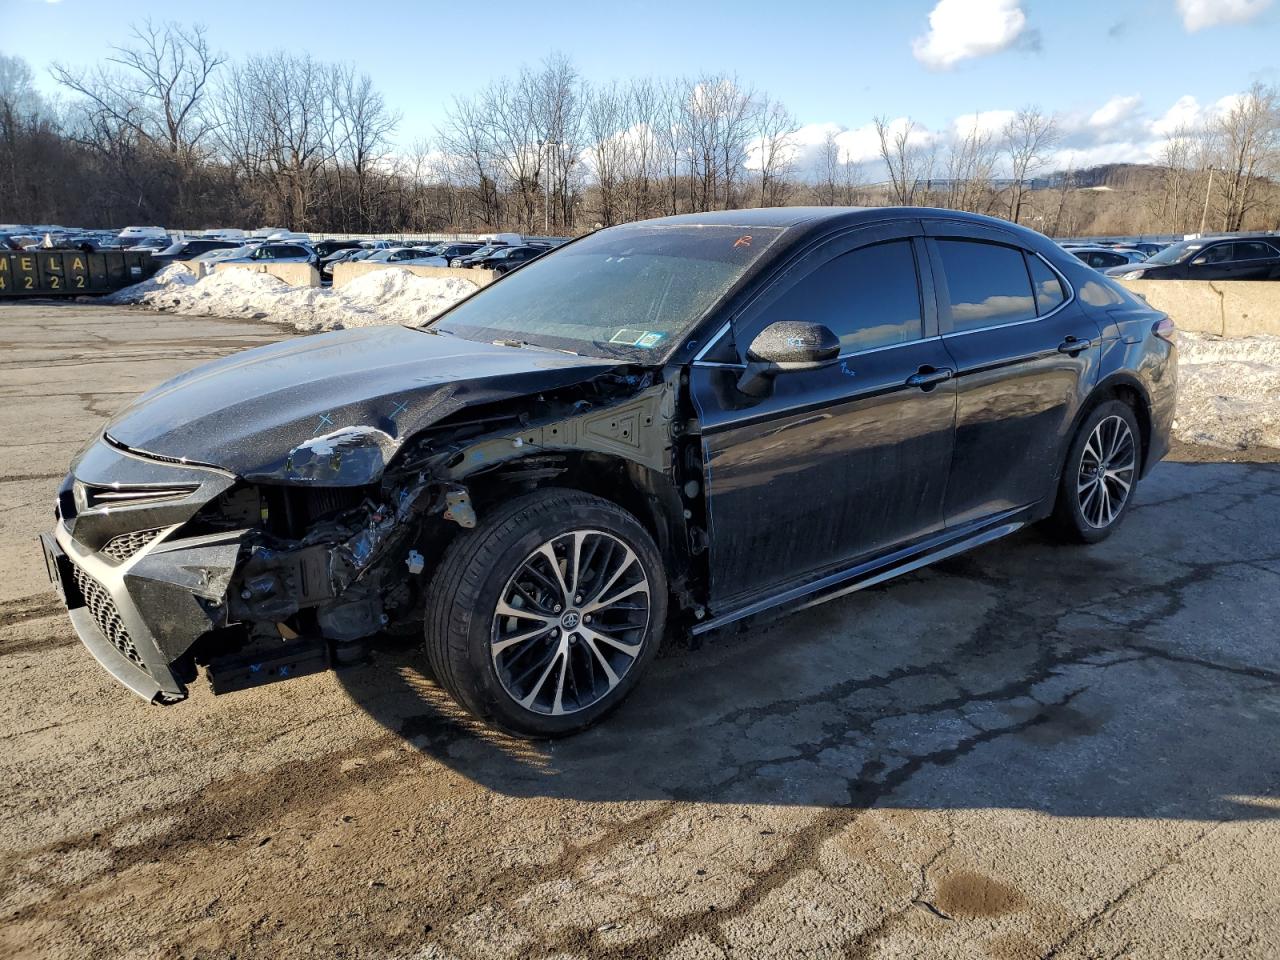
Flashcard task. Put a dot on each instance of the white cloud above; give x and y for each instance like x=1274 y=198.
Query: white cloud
x=985 y=121
x=961 y=29
x=1202 y=14
x=1114 y=112
x=1185 y=114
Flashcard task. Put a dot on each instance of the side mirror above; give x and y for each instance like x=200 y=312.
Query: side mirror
x=784 y=347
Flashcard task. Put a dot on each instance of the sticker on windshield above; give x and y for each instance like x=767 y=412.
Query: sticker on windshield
x=646 y=339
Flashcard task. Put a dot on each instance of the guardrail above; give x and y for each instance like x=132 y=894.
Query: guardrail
x=63 y=273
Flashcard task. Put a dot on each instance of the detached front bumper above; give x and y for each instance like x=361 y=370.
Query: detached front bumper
x=140 y=586
x=119 y=653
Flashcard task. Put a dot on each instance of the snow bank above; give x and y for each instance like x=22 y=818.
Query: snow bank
x=1228 y=391
x=381 y=296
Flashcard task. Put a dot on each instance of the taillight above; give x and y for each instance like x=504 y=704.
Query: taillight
x=1164 y=329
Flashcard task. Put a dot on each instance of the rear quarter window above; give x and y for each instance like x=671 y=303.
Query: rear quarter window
x=1048 y=288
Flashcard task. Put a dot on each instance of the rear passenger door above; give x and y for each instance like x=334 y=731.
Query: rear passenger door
x=1252 y=260
x=1026 y=356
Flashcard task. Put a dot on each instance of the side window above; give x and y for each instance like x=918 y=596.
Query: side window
x=1048 y=288
x=987 y=284
x=869 y=297
x=1219 y=253
x=1253 y=250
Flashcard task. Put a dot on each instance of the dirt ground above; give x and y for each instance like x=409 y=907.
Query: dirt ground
x=1028 y=751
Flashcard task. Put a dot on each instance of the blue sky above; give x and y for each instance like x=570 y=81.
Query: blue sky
x=1111 y=70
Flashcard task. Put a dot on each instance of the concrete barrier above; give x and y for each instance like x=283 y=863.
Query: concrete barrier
x=294 y=274
x=1228 y=308
x=344 y=273
x=197 y=268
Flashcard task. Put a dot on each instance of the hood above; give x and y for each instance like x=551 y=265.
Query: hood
x=245 y=413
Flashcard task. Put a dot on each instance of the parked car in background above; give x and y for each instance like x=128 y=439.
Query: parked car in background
x=509 y=258
x=190 y=249
x=343 y=256
x=292 y=252
x=221 y=256
x=1102 y=257
x=131 y=235
x=476 y=255
x=155 y=244
x=1209 y=259
x=396 y=255
x=716 y=415
x=439 y=255
x=326 y=248
x=1146 y=246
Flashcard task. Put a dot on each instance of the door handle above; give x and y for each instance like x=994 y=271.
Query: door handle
x=927 y=377
x=1074 y=345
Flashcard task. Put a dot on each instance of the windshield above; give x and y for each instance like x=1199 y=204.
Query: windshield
x=1177 y=252
x=627 y=293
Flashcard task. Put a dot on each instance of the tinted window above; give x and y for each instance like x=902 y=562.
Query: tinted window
x=1219 y=253
x=1048 y=288
x=987 y=284
x=1253 y=250
x=868 y=297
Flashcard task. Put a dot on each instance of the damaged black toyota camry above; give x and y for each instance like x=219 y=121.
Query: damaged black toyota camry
x=675 y=424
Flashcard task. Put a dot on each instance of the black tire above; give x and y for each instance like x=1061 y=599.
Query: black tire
x=1079 y=514
x=479 y=568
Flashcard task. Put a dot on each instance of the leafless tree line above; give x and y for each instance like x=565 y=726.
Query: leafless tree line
x=168 y=130
x=1220 y=174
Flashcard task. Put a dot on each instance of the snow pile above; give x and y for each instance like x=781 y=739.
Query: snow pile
x=174 y=276
x=1228 y=391
x=381 y=296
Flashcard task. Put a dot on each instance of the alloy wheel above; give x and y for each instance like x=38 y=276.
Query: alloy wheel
x=1107 y=466
x=570 y=622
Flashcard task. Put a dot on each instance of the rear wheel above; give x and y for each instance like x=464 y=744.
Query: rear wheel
x=1100 y=475
x=542 y=618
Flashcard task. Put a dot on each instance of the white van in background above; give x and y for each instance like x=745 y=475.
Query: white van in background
x=131 y=235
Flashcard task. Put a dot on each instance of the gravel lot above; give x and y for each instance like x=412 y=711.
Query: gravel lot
x=1028 y=751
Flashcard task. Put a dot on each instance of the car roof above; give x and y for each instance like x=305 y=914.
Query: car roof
x=797 y=216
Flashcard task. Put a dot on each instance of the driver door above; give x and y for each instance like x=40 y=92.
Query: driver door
x=835 y=465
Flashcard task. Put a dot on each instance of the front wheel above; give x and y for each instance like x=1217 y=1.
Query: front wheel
x=1100 y=474
x=542 y=618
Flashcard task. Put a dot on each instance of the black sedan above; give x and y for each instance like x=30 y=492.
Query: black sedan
x=507 y=259
x=1209 y=259
x=684 y=422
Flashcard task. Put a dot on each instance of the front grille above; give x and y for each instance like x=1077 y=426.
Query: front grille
x=93 y=496
x=106 y=616
x=123 y=547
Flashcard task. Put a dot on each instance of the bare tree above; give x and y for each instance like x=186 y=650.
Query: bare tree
x=775 y=127
x=158 y=87
x=362 y=128
x=1249 y=135
x=607 y=148
x=1028 y=139
x=907 y=160
x=971 y=163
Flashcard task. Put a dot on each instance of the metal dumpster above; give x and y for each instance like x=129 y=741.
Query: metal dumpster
x=59 y=273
